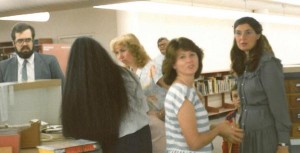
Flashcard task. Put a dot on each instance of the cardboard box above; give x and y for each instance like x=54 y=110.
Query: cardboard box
x=6 y=150
x=31 y=137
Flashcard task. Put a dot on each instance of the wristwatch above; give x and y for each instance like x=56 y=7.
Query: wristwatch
x=283 y=144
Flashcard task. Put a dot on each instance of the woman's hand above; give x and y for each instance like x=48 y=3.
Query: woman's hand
x=152 y=98
x=159 y=114
x=231 y=133
x=282 y=149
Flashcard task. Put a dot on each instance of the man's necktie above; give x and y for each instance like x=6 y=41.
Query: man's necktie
x=24 y=71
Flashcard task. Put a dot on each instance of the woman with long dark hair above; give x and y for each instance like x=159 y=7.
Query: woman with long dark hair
x=103 y=101
x=264 y=115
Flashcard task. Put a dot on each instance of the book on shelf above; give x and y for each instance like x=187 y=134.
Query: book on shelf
x=215 y=88
x=71 y=146
x=215 y=85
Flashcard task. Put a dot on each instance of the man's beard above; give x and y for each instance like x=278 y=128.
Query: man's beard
x=26 y=54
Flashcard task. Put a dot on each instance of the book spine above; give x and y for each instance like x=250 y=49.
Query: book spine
x=83 y=148
x=51 y=151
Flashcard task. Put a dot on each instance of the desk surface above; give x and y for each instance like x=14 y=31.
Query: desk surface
x=58 y=138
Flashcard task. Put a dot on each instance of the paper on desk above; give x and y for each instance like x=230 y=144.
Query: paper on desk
x=3 y=103
x=6 y=98
x=8 y=129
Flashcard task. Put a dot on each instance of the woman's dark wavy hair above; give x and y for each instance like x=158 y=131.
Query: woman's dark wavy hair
x=90 y=108
x=238 y=57
x=174 y=45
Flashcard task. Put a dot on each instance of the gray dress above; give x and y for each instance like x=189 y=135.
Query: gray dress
x=264 y=116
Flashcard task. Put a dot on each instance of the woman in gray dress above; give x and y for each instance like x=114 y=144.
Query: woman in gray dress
x=264 y=116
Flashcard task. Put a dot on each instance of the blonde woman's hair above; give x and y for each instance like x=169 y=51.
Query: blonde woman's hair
x=141 y=58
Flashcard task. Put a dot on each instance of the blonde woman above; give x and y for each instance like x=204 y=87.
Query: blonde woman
x=131 y=53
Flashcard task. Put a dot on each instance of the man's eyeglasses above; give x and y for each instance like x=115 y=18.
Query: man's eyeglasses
x=245 y=33
x=21 y=41
x=162 y=45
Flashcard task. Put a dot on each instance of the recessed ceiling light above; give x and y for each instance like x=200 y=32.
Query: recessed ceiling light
x=38 y=17
x=293 y=2
x=175 y=9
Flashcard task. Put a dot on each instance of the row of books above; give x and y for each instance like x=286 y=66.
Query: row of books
x=71 y=146
x=215 y=85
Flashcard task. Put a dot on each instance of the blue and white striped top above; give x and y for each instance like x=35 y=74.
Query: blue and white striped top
x=176 y=95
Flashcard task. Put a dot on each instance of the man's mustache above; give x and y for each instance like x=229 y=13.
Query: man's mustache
x=25 y=48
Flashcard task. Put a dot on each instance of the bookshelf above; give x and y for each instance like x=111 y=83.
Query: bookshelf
x=215 y=88
x=7 y=47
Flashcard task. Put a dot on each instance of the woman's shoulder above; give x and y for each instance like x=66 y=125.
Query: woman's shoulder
x=179 y=88
x=268 y=60
x=128 y=75
x=268 y=57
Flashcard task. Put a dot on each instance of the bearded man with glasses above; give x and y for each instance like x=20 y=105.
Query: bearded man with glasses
x=28 y=65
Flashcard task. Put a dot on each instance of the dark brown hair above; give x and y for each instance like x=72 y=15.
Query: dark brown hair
x=19 y=28
x=174 y=45
x=238 y=57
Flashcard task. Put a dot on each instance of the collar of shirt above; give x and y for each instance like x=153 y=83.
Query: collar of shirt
x=30 y=68
x=30 y=60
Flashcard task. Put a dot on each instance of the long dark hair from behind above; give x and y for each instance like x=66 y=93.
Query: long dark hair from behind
x=238 y=57
x=174 y=45
x=94 y=98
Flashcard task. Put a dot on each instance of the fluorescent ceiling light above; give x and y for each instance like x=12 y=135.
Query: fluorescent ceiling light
x=38 y=17
x=293 y=2
x=175 y=9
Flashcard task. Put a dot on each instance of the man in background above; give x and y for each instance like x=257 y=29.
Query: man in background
x=28 y=64
x=162 y=44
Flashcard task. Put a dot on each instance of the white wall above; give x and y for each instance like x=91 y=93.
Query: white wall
x=214 y=36
x=285 y=42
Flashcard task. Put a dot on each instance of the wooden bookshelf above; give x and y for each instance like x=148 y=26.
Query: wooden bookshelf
x=215 y=88
x=7 y=47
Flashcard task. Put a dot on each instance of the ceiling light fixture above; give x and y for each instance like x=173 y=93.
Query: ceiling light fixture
x=38 y=17
x=175 y=9
x=292 y=2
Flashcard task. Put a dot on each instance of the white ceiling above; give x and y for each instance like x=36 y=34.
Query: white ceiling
x=15 y=7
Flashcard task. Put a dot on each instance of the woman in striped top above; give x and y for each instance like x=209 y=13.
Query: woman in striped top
x=187 y=126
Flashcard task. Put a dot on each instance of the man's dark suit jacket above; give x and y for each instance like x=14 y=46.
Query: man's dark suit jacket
x=45 y=67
